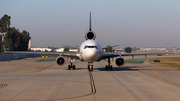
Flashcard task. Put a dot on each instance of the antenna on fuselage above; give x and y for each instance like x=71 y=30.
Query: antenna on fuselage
x=90 y=22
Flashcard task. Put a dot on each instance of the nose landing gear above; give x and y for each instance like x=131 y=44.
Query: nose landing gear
x=90 y=66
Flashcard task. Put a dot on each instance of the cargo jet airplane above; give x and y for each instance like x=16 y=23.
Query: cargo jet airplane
x=89 y=51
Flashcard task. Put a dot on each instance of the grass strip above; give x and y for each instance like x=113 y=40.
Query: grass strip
x=136 y=60
x=170 y=62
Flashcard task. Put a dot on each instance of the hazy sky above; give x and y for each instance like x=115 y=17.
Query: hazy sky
x=140 y=23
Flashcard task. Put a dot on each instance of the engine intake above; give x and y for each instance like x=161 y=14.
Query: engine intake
x=90 y=35
x=120 y=61
x=60 y=60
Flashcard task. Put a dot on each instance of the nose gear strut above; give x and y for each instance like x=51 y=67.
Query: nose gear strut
x=90 y=66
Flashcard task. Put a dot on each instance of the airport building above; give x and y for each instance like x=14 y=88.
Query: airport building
x=73 y=50
x=153 y=49
x=70 y=50
x=60 y=50
x=41 y=49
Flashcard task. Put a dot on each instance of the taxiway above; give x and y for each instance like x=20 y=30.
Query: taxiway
x=28 y=80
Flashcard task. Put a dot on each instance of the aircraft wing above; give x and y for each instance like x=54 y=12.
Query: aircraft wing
x=105 y=56
x=130 y=54
x=73 y=55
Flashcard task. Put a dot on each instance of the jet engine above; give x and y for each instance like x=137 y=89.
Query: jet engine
x=90 y=35
x=60 y=60
x=120 y=61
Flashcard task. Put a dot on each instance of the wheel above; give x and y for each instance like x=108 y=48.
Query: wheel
x=106 y=67
x=91 y=67
x=69 y=67
x=111 y=67
x=74 y=67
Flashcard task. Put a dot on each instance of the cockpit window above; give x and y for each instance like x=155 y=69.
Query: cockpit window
x=90 y=47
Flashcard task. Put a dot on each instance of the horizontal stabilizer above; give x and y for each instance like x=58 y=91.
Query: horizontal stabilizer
x=109 y=46
x=71 y=46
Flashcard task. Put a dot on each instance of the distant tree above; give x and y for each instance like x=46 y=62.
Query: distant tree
x=17 y=41
x=128 y=49
x=5 y=23
x=24 y=40
x=66 y=49
x=1 y=49
x=0 y=37
x=13 y=39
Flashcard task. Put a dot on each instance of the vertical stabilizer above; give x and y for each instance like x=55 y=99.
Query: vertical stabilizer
x=90 y=22
x=90 y=35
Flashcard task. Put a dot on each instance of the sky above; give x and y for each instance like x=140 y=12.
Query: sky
x=127 y=23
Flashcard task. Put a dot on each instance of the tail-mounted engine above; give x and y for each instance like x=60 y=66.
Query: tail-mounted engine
x=90 y=35
x=120 y=61
x=60 y=60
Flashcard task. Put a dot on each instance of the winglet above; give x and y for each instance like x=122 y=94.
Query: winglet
x=90 y=22
x=4 y=48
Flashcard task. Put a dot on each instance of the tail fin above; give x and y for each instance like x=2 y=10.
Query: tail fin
x=90 y=35
x=90 y=22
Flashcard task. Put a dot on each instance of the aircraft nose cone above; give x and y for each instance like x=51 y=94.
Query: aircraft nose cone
x=91 y=55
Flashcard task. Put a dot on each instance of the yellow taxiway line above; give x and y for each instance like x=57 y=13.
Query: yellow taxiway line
x=92 y=87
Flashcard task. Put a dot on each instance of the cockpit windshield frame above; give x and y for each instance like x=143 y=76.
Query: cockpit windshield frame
x=90 y=47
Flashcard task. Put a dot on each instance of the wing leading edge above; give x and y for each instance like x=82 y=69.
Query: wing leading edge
x=105 y=56
x=73 y=55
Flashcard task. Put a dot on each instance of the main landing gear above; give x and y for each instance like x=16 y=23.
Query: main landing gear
x=109 y=65
x=71 y=64
x=90 y=66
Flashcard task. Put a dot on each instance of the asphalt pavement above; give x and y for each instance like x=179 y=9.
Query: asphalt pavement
x=28 y=80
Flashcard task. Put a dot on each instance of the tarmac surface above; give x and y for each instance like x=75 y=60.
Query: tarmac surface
x=28 y=80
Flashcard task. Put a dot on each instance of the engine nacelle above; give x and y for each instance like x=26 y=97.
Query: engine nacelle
x=120 y=61
x=60 y=60
x=90 y=35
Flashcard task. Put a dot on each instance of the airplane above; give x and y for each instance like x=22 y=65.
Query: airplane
x=89 y=51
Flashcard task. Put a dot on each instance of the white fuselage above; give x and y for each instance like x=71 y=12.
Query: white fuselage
x=90 y=51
